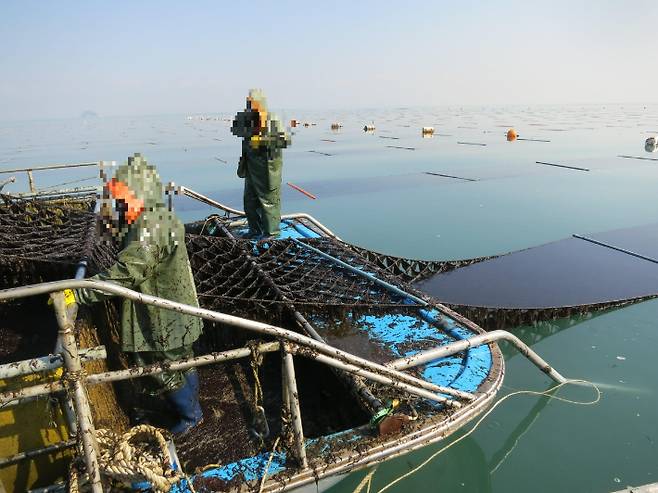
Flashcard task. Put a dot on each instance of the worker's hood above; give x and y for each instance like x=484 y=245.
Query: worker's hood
x=135 y=190
x=257 y=96
x=139 y=182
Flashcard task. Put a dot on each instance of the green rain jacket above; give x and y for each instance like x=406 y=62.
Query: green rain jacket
x=153 y=260
x=261 y=165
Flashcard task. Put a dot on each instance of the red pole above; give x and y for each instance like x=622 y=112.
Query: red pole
x=299 y=189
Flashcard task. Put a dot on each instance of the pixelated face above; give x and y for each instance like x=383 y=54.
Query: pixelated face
x=246 y=123
x=118 y=212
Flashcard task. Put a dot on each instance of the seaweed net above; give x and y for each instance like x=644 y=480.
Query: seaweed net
x=412 y=270
x=236 y=275
x=44 y=240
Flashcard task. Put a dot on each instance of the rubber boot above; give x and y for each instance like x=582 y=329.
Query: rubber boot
x=185 y=402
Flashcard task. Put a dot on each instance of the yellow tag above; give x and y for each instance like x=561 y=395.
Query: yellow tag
x=69 y=297
x=254 y=141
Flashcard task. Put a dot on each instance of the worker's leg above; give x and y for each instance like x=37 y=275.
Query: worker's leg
x=270 y=202
x=181 y=389
x=251 y=208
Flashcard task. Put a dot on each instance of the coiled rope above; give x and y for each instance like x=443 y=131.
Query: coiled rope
x=367 y=480
x=140 y=454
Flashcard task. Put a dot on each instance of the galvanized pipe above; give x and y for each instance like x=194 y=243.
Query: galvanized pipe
x=74 y=370
x=28 y=393
x=48 y=166
x=54 y=193
x=295 y=412
x=184 y=364
x=30 y=454
x=464 y=344
x=376 y=280
x=355 y=370
x=259 y=327
x=30 y=178
x=47 y=363
x=7 y=182
x=207 y=200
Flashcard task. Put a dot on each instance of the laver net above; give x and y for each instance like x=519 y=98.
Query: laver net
x=43 y=241
x=231 y=272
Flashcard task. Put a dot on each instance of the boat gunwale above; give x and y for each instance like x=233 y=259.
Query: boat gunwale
x=434 y=429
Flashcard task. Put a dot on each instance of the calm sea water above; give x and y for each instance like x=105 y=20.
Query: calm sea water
x=378 y=196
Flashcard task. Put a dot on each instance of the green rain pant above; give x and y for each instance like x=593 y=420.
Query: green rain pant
x=167 y=381
x=262 y=206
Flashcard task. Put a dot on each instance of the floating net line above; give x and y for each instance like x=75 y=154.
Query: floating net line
x=43 y=240
x=411 y=270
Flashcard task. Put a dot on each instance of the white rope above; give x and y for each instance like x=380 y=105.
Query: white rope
x=366 y=481
x=484 y=416
x=140 y=454
x=267 y=467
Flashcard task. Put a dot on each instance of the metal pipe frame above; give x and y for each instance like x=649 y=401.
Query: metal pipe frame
x=74 y=370
x=355 y=370
x=47 y=363
x=393 y=447
x=48 y=166
x=259 y=327
x=293 y=404
x=54 y=193
x=29 y=393
x=184 y=364
x=181 y=190
x=56 y=447
x=376 y=280
x=464 y=344
x=357 y=387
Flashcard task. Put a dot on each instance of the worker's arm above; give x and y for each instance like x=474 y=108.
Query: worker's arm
x=135 y=264
x=275 y=137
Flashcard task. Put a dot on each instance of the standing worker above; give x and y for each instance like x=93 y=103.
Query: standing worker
x=261 y=164
x=153 y=260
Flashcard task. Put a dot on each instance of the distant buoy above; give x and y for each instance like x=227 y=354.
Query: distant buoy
x=369 y=128
x=428 y=130
x=336 y=126
x=293 y=123
x=511 y=135
x=307 y=124
x=651 y=144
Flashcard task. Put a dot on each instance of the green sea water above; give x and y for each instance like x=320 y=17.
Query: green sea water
x=379 y=196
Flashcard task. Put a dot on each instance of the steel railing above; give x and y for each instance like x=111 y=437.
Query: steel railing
x=292 y=344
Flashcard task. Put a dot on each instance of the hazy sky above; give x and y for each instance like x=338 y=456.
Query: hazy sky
x=59 y=58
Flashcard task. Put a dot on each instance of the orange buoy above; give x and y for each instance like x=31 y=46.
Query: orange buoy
x=511 y=135
x=293 y=123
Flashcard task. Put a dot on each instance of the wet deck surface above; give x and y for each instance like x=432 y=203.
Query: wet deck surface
x=568 y=272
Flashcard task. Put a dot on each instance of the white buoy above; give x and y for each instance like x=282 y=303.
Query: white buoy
x=651 y=144
x=369 y=128
x=336 y=126
x=428 y=130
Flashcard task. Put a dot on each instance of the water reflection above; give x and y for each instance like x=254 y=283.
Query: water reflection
x=501 y=455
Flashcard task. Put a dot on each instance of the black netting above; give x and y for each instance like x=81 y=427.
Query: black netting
x=44 y=240
x=236 y=275
x=411 y=270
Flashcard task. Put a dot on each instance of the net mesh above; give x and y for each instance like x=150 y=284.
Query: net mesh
x=44 y=240
x=237 y=275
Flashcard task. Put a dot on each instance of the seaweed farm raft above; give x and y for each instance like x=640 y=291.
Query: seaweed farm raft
x=317 y=358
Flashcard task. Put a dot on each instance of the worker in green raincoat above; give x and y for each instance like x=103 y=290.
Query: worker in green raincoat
x=153 y=260
x=261 y=164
